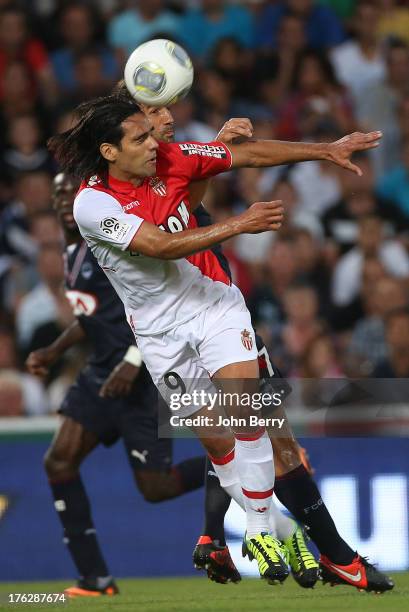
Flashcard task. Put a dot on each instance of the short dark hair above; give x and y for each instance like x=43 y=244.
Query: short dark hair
x=99 y=120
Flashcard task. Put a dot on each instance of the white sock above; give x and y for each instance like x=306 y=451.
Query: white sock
x=255 y=468
x=226 y=470
x=282 y=525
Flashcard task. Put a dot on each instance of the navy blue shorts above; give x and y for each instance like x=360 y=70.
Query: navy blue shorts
x=132 y=418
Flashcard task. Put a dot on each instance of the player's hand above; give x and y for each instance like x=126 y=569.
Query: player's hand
x=262 y=217
x=235 y=128
x=119 y=382
x=341 y=150
x=38 y=362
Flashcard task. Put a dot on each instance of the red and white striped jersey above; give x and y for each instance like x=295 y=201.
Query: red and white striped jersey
x=157 y=295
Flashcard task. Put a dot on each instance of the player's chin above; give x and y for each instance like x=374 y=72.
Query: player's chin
x=150 y=167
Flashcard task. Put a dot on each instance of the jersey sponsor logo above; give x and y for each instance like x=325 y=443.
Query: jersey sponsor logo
x=246 y=339
x=189 y=148
x=158 y=186
x=131 y=205
x=261 y=510
x=82 y=304
x=113 y=228
x=177 y=223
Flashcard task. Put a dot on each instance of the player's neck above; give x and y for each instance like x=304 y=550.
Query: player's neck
x=126 y=177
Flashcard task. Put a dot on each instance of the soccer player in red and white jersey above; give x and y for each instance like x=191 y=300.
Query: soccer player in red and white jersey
x=189 y=321
x=294 y=485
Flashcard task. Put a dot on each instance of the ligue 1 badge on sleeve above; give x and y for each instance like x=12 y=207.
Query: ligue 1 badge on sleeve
x=246 y=339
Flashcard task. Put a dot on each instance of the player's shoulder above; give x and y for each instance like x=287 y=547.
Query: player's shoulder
x=92 y=194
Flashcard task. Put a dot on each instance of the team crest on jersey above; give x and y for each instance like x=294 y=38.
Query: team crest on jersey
x=158 y=186
x=190 y=148
x=86 y=270
x=246 y=339
x=93 y=180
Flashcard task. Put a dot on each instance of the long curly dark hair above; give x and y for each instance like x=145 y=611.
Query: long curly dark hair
x=100 y=120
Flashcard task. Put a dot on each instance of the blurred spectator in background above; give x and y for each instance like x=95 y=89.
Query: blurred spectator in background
x=317 y=96
x=274 y=68
x=371 y=243
x=20 y=393
x=17 y=246
x=187 y=127
x=203 y=27
x=368 y=343
x=45 y=304
x=18 y=97
x=378 y=107
x=78 y=23
x=144 y=19
x=341 y=221
x=90 y=80
x=394 y=20
x=301 y=325
x=320 y=359
x=25 y=152
x=265 y=301
x=397 y=335
x=359 y=62
x=17 y=44
x=323 y=29
x=343 y=8
x=394 y=185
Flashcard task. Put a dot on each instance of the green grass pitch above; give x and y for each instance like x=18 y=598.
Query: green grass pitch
x=198 y=594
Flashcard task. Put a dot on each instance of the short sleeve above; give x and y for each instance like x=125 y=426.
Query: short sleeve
x=194 y=160
x=100 y=218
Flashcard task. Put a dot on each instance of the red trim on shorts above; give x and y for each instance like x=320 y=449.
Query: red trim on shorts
x=223 y=460
x=258 y=494
x=252 y=438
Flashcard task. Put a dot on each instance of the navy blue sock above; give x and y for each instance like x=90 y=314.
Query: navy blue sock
x=217 y=502
x=73 y=508
x=298 y=492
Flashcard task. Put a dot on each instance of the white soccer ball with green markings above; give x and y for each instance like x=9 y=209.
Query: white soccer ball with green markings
x=158 y=73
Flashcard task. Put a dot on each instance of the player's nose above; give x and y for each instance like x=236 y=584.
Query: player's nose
x=152 y=143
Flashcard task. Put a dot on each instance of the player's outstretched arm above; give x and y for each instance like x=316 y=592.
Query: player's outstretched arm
x=153 y=242
x=262 y=153
x=38 y=362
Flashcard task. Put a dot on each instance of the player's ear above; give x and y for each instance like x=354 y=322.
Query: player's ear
x=108 y=151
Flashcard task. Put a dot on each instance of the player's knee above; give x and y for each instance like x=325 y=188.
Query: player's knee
x=59 y=463
x=156 y=486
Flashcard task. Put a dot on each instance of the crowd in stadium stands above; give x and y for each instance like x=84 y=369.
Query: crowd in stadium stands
x=329 y=293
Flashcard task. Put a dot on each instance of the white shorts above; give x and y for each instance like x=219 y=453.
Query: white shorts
x=192 y=352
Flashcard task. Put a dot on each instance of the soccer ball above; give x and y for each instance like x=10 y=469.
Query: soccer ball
x=158 y=73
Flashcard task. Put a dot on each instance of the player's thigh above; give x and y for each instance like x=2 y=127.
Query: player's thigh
x=70 y=445
x=227 y=343
x=175 y=369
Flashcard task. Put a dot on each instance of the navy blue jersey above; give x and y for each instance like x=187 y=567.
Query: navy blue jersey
x=97 y=307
